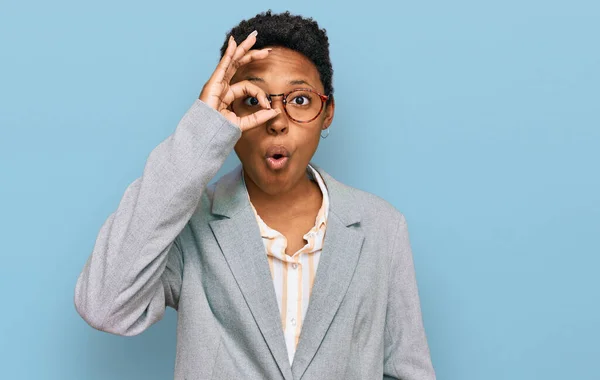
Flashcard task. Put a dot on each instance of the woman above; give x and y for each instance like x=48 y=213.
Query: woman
x=239 y=259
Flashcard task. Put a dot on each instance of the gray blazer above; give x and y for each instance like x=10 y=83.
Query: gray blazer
x=177 y=241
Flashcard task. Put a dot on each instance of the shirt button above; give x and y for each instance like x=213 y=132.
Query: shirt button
x=294 y=265
x=293 y=320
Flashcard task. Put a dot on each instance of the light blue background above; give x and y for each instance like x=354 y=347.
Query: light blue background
x=479 y=120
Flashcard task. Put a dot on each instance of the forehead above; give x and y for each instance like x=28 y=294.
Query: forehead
x=283 y=67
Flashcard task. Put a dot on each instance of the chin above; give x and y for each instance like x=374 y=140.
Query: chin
x=274 y=182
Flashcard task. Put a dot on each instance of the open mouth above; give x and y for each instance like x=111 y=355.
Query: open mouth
x=277 y=152
x=277 y=157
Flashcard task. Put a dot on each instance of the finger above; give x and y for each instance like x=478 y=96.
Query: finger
x=240 y=52
x=245 y=46
x=258 y=118
x=254 y=55
x=246 y=88
x=225 y=62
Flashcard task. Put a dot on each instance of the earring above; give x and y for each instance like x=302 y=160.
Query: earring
x=324 y=137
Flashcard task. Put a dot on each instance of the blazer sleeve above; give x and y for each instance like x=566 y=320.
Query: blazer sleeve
x=406 y=352
x=135 y=268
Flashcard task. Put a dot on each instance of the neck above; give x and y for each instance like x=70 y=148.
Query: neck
x=285 y=204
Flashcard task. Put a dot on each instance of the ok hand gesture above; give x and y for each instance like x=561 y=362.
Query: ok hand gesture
x=219 y=94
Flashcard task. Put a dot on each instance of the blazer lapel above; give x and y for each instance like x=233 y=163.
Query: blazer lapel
x=239 y=237
x=339 y=257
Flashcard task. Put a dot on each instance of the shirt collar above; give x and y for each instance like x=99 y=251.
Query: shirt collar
x=324 y=210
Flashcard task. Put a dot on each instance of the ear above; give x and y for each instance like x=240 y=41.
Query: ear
x=329 y=112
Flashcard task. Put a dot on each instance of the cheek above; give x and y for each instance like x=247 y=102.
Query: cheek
x=310 y=140
x=243 y=147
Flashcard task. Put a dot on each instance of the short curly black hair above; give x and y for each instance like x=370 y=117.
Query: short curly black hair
x=290 y=31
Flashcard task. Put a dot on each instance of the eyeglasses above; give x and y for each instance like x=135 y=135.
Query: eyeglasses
x=302 y=105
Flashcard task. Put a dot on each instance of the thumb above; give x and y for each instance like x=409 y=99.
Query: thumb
x=258 y=118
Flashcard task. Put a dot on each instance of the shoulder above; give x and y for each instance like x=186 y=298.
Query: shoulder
x=383 y=225
x=375 y=209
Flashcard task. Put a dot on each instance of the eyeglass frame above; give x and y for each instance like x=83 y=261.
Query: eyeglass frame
x=324 y=99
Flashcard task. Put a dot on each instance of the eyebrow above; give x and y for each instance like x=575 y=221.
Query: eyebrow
x=292 y=82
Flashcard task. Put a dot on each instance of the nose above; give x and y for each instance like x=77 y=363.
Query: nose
x=278 y=124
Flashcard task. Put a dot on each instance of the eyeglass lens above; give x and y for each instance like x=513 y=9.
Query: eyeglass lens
x=300 y=105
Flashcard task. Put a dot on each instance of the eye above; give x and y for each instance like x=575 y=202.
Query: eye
x=301 y=100
x=251 y=101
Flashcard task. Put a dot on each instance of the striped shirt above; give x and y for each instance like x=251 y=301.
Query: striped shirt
x=293 y=275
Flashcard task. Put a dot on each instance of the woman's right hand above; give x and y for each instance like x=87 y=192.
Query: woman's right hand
x=219 y=94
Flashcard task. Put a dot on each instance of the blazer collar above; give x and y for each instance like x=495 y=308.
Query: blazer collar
x=239 y=238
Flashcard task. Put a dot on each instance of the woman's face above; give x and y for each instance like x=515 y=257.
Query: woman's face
x=281 y=71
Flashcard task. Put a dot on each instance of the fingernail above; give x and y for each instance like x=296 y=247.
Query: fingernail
x=269 y=50
x=253 y=33
x=231 y=38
